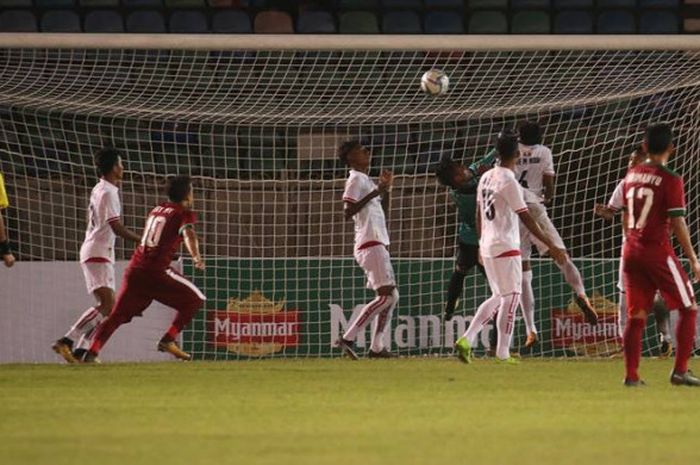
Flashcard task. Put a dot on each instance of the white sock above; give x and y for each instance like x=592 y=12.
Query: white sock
x=484 y=313
x=622 y=315
x=382 y=323
x=378 y=305
x=572 y=276
x=527 y=303
x=86 y=339
x=86 y=323
x=505 y=324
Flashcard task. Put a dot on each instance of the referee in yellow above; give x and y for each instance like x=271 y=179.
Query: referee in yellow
x=5 y=250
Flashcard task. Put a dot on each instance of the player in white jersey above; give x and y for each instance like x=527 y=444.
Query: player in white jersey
x=615 y=205
x=500 y=209
x=97 y=253
x=362 y=203
x=535 y=173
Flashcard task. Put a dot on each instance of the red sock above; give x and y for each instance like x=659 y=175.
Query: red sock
x=685 y=338
x=172 y=333
x=632 y=343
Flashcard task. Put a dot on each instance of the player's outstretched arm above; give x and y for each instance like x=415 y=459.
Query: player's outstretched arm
x=192 y=244
x=559 y=255
x=123 y=232
x=604 y=211
x=386 y=180
x=680 y=230
x=548 y=183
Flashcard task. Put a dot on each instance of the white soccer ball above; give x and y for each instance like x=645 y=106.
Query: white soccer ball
x=434 y=82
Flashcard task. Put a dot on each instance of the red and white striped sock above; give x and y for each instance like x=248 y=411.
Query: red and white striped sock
x=86 y=323
x=381 y=303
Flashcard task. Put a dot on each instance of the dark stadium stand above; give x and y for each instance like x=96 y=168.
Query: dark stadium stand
x=354 y=16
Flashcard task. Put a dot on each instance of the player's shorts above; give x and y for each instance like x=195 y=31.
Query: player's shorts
x=505 y=274
x=647 y=271
x=141 y=287
x=468 y=257
x=97 y=275
x=376 y=263
x=527 y=240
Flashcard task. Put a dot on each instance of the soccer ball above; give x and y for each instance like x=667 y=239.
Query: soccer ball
x=434 y=82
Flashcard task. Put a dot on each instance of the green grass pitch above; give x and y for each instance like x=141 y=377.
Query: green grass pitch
x=414 y=411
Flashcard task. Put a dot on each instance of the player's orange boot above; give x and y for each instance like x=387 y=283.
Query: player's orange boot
x=532 y=339
x=64 y=348
x=173 y=349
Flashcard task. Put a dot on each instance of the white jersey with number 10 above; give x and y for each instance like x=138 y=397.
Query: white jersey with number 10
x=500 y=199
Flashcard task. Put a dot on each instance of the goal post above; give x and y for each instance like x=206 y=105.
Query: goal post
x=256 y=121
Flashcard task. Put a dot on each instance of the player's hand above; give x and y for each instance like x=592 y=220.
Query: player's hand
x=558 y=255
x=9 y=260
x=199 y=263
x=695 y=265
x=386 y=181
x=604 y=211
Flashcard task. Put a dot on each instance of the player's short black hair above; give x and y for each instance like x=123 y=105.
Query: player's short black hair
x=506 y=145
x=530 y=132
x=178 y=188
x=105 y=160
x=445 y=169
x=658 y=138
x=346 y=148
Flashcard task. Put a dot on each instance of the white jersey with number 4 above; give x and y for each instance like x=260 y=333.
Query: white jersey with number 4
x=534 y=163
x=105 y=207
x=370 y=222
x=500 y=199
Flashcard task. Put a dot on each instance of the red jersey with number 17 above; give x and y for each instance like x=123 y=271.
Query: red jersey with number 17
x=162 y=236
x=653 y=194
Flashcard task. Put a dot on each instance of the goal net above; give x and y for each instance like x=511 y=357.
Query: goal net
x=258 y=130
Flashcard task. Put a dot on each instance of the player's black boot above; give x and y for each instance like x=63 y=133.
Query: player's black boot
x=381 y=354
x=684 y=379
x=89 y=357
x=79 y=353
x=638 y=383
x=64 y=348
x=589 y=313
x=347 y=348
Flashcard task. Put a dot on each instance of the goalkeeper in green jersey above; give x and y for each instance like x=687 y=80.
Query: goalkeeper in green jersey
x=462 y=182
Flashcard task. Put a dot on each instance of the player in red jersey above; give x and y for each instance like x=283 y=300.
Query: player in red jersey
x=655 y=198
x=149 y=276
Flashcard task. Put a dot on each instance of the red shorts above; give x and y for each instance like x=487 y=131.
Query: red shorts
x=649 y=270
x=141 y=287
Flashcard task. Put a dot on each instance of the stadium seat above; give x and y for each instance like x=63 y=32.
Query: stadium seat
x=401 y=22
x=665 y=4
x=4 y=4
x=616 y=22
x=54 y=4
x=316 y=22
x=530 y=22
x=184 y=4
x=273 y=22
x=444 y=22
x=103 y=21
x=358 y=22
x=402 y=5
x=617 y=4
x=188 y=22
x=145 y=22
x=60 y=21
x=17 y=21
x=136 y=4
x=659 y=22
x=488 y=4
x=488 y=22
x=572 y=4
x=530 y=4
x=231 y=22
x=573 y=22
x=356 y=4
x=445 y=4
x=99 y=3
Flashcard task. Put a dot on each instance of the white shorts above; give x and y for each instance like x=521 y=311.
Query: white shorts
x=97 y=275
x=376 y=263
x=505 y=274
x=527 y=239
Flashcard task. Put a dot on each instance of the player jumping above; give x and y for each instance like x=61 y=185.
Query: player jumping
x=500 y=206
x=149 y=276
x=362 y=204
x=97 y=253
x=656 y=203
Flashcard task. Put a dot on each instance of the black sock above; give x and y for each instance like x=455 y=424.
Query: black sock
x=454 y=292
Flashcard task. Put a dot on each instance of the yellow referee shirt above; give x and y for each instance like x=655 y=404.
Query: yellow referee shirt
x=4 y=202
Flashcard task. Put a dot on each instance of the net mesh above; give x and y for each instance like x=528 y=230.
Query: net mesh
x=259 y=132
